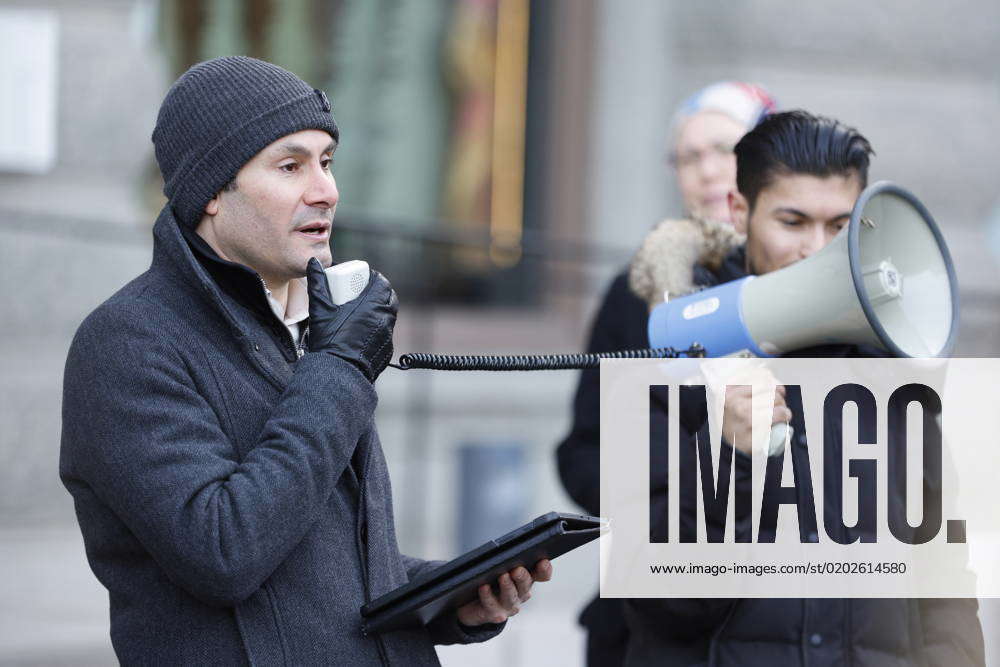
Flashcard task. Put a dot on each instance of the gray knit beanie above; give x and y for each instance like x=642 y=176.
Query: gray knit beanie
x=218 y=115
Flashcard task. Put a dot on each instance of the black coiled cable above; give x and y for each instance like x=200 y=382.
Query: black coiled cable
x=534 y=362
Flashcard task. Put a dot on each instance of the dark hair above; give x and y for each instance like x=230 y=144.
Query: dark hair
x=797 y=142
x=230 y=186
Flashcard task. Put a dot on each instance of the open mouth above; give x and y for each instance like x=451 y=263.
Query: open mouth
x=317 y=230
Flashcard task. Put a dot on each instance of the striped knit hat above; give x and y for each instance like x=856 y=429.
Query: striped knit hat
x=746 y=103
x=218 y=115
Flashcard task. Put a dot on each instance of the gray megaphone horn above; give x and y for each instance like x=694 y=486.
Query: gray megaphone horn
x=885 y=280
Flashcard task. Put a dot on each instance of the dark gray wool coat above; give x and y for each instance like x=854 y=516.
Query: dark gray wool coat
x=234 y=500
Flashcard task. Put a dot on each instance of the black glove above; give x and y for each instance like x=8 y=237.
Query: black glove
x=359 y=331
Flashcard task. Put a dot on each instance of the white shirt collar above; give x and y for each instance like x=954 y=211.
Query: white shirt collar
x=298 y=303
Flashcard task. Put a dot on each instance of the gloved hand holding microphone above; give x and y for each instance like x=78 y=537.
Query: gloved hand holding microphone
x=358 y=331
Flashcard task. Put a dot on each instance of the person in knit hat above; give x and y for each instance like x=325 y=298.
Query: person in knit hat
x=701 y=136
x=704 y=130
x=218 y=434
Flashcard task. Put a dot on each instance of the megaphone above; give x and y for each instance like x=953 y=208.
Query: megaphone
x=885 y=280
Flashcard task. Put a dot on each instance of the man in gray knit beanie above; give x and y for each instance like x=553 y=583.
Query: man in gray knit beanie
x=221 y=113
x=218 y=411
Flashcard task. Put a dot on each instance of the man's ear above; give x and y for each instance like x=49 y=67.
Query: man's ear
x=212 y=207
x=739 y=210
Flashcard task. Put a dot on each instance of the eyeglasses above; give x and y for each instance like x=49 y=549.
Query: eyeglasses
x=693 y=158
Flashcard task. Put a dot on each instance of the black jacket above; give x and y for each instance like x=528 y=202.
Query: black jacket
x=753 y=631
x=233 y=499
x=876 y=632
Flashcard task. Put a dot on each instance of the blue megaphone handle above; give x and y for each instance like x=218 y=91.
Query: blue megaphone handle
x=712 y=317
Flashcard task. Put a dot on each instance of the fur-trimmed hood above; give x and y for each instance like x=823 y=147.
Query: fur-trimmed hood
x=666 y=259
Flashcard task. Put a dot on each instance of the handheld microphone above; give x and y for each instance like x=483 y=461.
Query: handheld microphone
x=347 y=280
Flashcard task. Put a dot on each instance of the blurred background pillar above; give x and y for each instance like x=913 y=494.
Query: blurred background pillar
x=495 y=493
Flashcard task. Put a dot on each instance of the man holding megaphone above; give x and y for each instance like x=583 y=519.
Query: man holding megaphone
x=800 y=182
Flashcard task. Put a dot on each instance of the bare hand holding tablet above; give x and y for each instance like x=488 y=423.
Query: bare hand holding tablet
x=512 y=562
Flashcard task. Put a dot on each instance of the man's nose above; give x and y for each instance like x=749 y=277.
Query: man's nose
x=322 y=191
x=813 y=242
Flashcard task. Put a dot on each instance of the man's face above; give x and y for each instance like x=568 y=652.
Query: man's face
x=794 y=217
x=706 y=165
x=280 y=213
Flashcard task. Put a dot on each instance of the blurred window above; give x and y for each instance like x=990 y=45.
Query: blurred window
x=432 y=99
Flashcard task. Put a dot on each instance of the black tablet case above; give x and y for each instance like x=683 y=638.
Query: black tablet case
x=456 y=582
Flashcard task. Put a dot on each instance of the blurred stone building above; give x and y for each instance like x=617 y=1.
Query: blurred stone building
x=599 y=85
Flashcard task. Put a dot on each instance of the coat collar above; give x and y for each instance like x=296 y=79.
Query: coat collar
x=173 y=255
x=232 y=290
x=197 y=265
x=669 y=255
